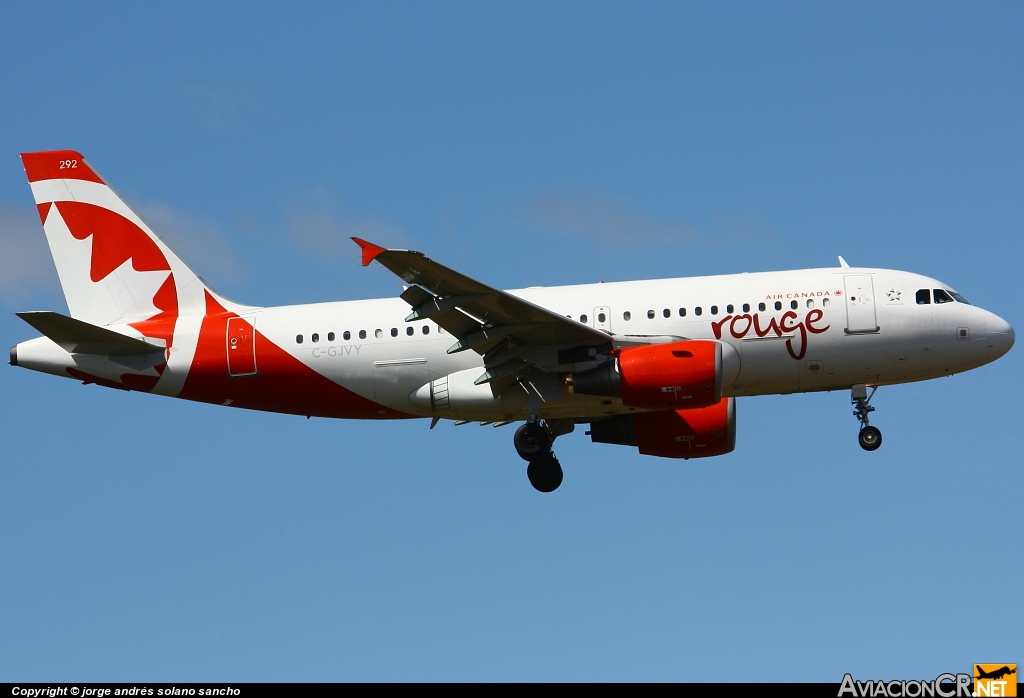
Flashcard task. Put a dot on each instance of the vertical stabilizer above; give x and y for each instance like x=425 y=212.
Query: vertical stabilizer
x=113 y=268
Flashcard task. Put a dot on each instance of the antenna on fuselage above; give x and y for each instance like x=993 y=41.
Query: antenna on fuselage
x=842 y=263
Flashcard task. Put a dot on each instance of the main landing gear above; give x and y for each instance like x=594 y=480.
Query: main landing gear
x=870 y=438
x=533 y=444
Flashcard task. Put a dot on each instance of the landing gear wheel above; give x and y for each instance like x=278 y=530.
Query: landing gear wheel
x=870 y=438
x=532 y=441
x=545 y=473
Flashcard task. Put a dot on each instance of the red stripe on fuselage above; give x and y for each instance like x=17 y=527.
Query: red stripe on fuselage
x=282 y=384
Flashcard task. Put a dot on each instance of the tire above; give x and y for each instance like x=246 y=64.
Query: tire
x=870 y=438
x=545 y=473
x=531 y=441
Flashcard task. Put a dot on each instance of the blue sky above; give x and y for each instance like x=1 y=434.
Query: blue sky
x=525 y=144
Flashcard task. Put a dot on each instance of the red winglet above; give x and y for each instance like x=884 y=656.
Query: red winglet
x=58 y=164
x=370 y=251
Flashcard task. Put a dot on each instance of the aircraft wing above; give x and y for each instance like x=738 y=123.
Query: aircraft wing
x=482 y=318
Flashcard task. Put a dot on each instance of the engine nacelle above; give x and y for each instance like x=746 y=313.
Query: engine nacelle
x=678 y=375
x=457 y=396
x=696 y=433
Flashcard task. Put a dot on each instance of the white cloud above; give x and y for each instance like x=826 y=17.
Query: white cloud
x=197 y=240
x=317 y=229
x=611 y=221
x=602 y=218
x=25 y=262
x=219 y=108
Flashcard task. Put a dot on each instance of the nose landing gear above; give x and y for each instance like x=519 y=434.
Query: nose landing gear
x=870 y=438
x=533 y=444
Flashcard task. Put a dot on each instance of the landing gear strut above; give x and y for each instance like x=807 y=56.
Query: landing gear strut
x=870 y=437
x=533 y=444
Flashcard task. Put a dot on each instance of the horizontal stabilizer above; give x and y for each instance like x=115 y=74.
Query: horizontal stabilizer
x=77 y=337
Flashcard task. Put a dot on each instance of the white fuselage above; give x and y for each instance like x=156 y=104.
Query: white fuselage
x=793 y=331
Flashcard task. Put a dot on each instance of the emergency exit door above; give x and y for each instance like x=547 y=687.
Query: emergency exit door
x=241 y=347
x=603 y=318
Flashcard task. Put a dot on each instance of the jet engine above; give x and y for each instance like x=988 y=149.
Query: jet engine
x=677 y=375
x=696 y=433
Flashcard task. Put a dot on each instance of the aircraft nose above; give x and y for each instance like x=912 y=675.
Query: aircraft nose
x=1000 y=335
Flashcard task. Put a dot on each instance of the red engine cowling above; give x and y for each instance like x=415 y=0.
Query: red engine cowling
x=678 y=375
x=696 y=433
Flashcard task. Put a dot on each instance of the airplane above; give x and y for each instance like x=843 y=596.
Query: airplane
x=995 y=674
x=652 y=364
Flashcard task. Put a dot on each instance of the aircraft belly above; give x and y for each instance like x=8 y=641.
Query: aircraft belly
x=767 y=367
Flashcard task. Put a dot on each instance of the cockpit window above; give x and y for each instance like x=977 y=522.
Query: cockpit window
x=958 y=298
x=924 y=297
x=941 y=296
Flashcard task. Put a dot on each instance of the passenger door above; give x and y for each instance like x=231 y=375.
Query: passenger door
x=860 y=305
x=241 y=347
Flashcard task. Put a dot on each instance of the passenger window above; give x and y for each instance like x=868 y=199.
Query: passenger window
x=682 y=312
x=627 y=315
x=298 y=339
x=315 y=337
x=941 y=296
x=760 y=306
x=810 y=302
x=409 y=330
x=793 y=305
x=330 y=336
x=958 y=298
x=347 y=335
x=601 y=317
x=824 y=302
x=394 y=331
x=378 y=333
x=746 y=307
x=666 y=313
x=698 y=310
x=728 y=308
x=650 y=314
x=714 y=310
x=362 y=334
x=440 y=330
x=778 y=305
x=924 y=297
x=583 y=319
